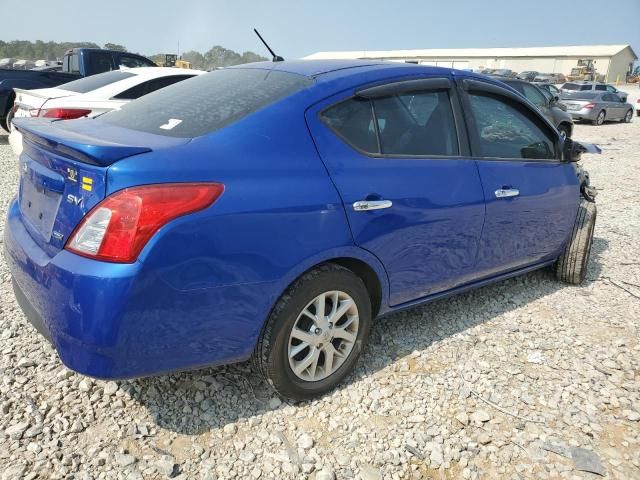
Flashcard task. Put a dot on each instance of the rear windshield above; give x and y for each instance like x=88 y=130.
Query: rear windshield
x=206 y=103
x=581 y=96
x=94 y=82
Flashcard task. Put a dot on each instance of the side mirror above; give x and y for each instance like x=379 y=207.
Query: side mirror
x=573 y=150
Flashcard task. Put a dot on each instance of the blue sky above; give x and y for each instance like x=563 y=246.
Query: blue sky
x=299 y=27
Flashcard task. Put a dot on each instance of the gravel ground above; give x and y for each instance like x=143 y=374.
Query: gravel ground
x=528 y=378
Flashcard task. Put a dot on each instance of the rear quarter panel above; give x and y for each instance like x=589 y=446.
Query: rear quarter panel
x=216 y=274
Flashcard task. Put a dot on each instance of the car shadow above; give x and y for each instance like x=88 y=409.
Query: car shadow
x=192 y=403
x=4 y=139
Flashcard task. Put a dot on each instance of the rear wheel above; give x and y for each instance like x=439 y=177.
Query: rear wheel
x=9 y=120
x=5 y=123
x=628 y=117
x=600 y=118
x=571 y=267
x=315 y=333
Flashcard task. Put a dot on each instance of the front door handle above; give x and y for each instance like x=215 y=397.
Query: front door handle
x=507 y=192
x=365 y=205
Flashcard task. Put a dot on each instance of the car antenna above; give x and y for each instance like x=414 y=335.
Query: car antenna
x=276 y=58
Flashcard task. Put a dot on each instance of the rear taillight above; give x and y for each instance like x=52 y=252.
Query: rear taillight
x=589 y=105
x=119 y=227
x=64 y=113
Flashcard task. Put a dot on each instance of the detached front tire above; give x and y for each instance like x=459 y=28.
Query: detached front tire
x=315 y=333
x=571 y=266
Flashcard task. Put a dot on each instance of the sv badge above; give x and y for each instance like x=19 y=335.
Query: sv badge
x=75 y=200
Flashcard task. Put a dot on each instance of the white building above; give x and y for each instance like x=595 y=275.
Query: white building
x=612 y=61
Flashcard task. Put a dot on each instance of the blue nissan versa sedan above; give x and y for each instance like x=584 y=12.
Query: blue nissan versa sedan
x=272 y=210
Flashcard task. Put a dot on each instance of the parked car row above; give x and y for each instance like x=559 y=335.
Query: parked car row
x=91 y=96
x=77 y=63
x=272 y=211
x=596 y=102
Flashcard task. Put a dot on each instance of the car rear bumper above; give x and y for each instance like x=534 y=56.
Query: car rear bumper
x=120 y=321
x=584 y=114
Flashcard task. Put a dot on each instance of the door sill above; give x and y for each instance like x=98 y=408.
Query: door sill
x=467 y=286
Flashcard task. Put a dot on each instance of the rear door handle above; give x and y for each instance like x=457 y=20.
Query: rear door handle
x=507 y=192
x=365 y=205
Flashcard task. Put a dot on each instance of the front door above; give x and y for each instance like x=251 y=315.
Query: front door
x=394 y=155
x=531 y=196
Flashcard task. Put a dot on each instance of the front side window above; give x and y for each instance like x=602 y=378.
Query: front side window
x=534 y=96
x=409 y=124
x=505 y=131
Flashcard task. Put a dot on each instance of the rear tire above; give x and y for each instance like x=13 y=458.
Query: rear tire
x=9 y=119
x=571 y=266
x=280 y=350
x=628 y=117
x=599 y=120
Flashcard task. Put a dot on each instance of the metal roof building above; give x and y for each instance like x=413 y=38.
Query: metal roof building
x=612 y=61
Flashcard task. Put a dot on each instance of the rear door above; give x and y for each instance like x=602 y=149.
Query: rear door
x=616 y=105
x=531 y=196
x=411 y=196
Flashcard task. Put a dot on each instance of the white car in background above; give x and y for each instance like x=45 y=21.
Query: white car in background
x=91 y=96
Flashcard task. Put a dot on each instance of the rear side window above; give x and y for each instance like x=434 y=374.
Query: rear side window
x=207 y=102
x=74 y=63
x=353 y=121
x=94 y=82
x=602 y=88
x=411 y=124
x=98 y=62
x=150 y=86
x=504 y=131
x=134 y=62
x=586 y=87
x=570 y=86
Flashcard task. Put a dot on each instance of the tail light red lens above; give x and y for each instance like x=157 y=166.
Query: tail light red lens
x=119 y=227
x=589 y=105
x=64 y=113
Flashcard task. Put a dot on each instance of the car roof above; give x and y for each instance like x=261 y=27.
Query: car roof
x=161 y=71
x=315 y=68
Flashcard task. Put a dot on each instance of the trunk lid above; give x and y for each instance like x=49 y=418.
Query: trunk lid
x=35 y=99
x=63 y=172
x=573 y=105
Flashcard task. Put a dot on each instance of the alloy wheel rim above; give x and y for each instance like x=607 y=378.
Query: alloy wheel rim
x=628 y=116
x=601 y=117
x=323 y=336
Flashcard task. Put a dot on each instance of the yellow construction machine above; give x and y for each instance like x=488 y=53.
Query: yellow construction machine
x=172 y=60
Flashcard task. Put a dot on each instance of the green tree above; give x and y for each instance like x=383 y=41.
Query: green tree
x=115 y=46
x=196 y=58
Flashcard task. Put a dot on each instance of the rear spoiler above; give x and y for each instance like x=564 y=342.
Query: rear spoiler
x=32 y=93
x=56 y=137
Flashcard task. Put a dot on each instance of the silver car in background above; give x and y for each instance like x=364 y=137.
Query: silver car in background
x=597 y=107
